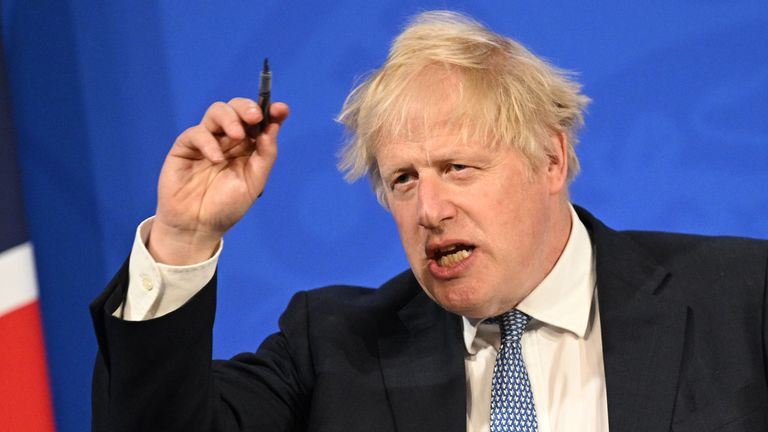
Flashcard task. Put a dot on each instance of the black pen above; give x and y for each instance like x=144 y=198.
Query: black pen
x=265 y=87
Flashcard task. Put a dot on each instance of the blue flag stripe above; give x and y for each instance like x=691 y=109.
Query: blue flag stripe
x=12 y=229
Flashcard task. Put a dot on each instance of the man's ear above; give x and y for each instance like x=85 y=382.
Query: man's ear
x=557 y=163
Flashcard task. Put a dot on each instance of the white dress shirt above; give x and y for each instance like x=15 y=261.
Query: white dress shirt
x=562 y=346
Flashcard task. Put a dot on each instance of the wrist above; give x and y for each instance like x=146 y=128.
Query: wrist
x=178 y=246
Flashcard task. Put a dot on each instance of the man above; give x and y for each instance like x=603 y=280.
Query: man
x=519 y=312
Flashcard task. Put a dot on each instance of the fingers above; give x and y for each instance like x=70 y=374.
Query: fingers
x=230 y=118
x=199 y=139
x=223 y=130
x=248 y=110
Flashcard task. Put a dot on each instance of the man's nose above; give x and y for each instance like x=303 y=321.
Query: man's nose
x=435 y=206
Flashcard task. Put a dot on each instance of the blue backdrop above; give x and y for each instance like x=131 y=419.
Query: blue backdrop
x=675 y=139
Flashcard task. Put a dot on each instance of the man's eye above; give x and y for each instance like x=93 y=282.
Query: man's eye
x=456 y=168
x=402 y=179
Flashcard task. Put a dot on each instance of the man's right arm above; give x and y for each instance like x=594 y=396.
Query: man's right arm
x=212 y=175
x=157 y=373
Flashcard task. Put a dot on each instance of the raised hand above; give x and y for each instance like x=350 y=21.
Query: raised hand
x=212 y=175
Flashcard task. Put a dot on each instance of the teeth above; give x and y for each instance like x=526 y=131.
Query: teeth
x=454 y=258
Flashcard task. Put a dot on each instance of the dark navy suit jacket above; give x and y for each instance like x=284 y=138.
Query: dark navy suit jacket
x=684 y=333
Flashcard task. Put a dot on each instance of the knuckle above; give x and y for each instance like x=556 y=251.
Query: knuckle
x=243 y=105
x=194 y=130
x=215 y=108
x=198 y=135
x=241 y=100
x=189 y=132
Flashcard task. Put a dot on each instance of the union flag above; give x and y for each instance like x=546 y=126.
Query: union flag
x=25 y=402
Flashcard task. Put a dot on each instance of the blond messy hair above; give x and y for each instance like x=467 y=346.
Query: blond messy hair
x=501 y=93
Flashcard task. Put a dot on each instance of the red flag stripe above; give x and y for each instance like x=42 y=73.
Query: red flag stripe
x=25 y=402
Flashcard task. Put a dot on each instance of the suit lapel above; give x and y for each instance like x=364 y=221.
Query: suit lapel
x=643 y=332
x=422 y=362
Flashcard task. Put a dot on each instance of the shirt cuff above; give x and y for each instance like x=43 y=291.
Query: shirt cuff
x=156 y=289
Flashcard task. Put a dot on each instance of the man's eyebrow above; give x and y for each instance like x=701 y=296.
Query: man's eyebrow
x=398 y=169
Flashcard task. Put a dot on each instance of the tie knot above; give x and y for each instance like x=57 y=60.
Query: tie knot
x=512 y=325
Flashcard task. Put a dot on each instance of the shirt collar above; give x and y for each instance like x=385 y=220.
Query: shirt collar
x=564 y=298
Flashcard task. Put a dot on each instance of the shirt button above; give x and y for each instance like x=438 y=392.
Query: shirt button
x=146 y=282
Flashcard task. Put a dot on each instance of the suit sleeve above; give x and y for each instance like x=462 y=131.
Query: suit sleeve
x=158 y=374
x=765 y=316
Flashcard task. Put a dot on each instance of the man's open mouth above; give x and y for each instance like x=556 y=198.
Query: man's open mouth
x=452 y=255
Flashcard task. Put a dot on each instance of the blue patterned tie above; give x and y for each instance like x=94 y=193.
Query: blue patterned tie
x=512 y=407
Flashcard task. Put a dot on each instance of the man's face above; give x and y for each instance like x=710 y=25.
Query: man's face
x=480 y=230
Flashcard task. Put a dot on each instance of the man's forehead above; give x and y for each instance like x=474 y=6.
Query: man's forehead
x=434 y=145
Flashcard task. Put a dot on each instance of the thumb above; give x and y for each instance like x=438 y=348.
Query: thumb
x=261 y=160
x=278 y=113
x=266 y=142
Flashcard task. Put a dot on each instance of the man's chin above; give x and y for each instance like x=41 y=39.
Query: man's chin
x=457 y=298
x=464 y=306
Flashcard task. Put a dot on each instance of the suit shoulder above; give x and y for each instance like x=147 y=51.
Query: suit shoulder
x=711 y=266
x=669 y=247
x=391 y=295
x=347 y=317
